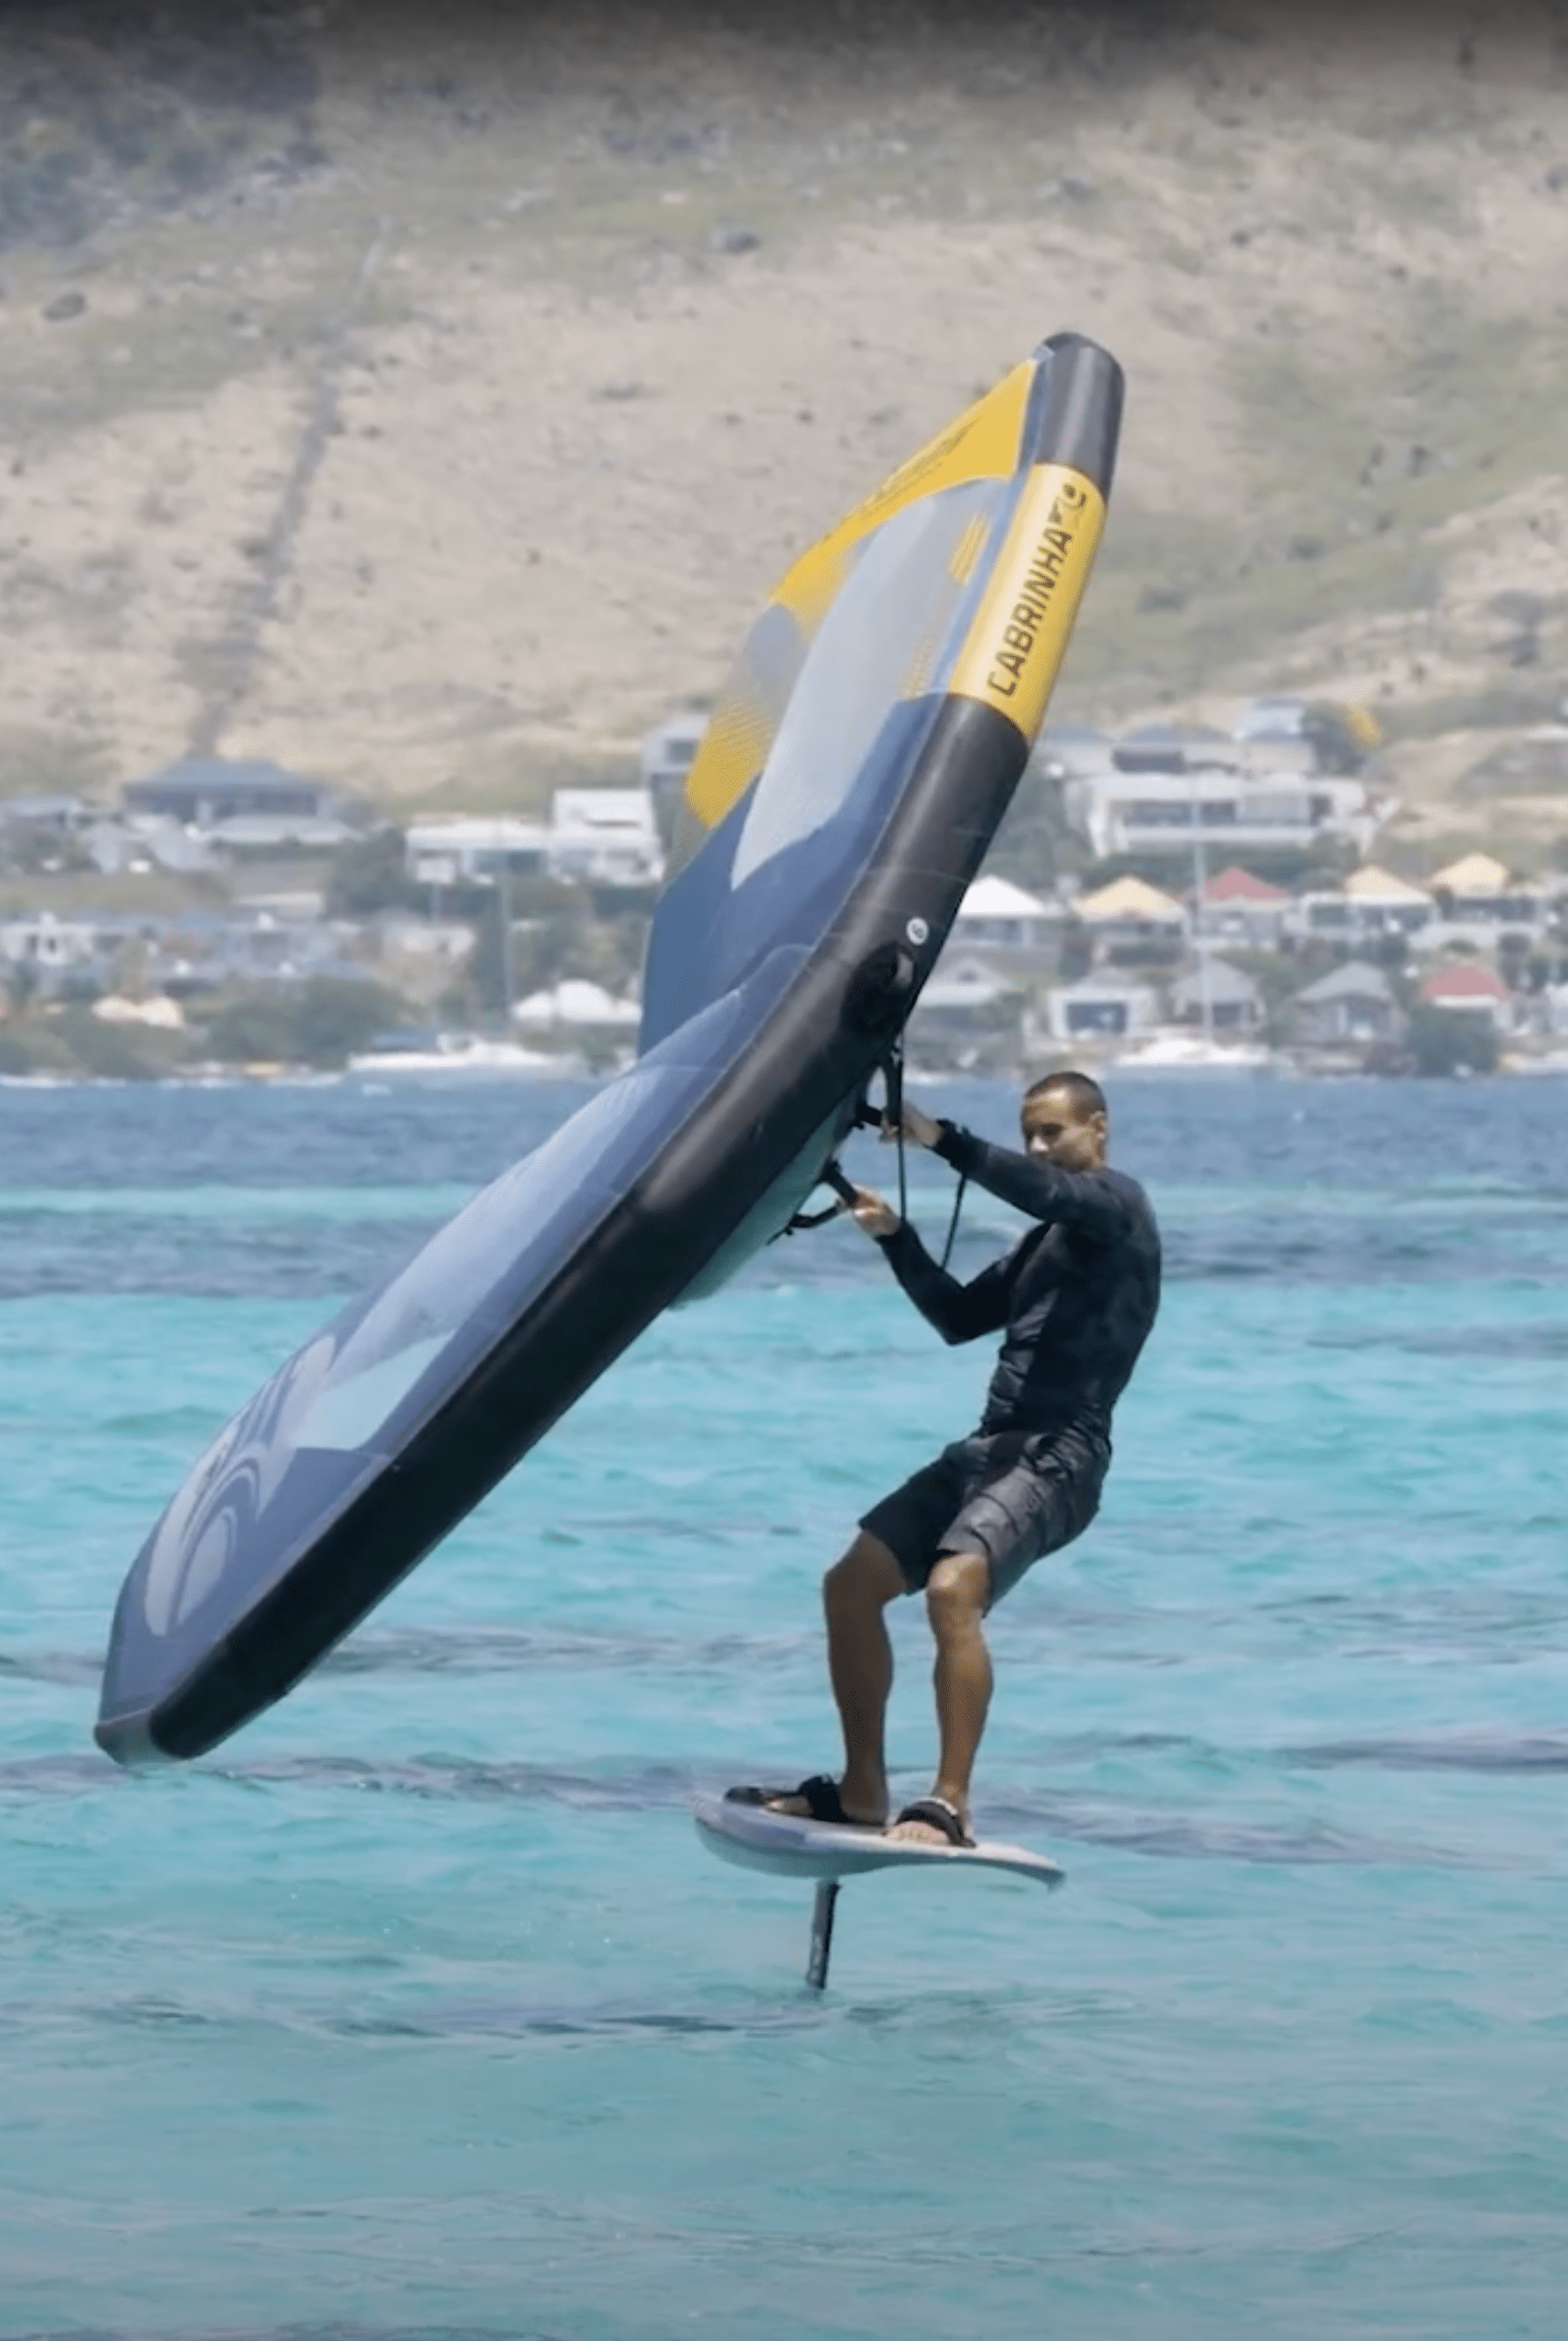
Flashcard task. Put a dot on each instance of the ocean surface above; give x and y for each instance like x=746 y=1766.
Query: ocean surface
x=418 y=2009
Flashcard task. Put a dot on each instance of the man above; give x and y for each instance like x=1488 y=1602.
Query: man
x=1074 y=1300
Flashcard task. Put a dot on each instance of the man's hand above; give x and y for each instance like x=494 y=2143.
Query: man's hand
x=917 y=1128
x=869 y=1211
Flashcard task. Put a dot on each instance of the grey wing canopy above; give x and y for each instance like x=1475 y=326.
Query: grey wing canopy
x=843 y=797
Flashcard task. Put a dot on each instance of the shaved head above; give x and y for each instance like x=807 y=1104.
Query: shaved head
x=1076 y=1090
x=1063 y=1118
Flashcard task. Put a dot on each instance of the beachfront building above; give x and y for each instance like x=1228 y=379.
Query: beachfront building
x=1467 y=989
x=969 y=999
x=1100 y=1007
x=1477 y=903
x=1236 y=907
x=1131 y=923
x=1217 y=997
x=1354 y=1004
x=996 y=912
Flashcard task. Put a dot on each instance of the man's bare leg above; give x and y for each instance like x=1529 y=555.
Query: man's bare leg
x=957 y=1594
x=856 y=1592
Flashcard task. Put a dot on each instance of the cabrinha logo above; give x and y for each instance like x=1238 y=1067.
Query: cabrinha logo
x=1017 y=642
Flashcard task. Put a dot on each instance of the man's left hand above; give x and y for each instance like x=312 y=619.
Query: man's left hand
x=869 y=1211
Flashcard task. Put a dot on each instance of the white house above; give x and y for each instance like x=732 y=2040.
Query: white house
x=605 y=837
x=994 y=912
x=1477 y=902
x=48 y=942
x=1372 y=901
x=608 y=836
x=468 y=850
x=1099 y=1007
x=1159 y=811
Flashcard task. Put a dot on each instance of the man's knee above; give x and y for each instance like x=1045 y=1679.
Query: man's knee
x=868 y=1575
x=958 y=1591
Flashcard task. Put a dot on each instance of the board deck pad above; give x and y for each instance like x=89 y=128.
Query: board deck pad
x=756 y=1838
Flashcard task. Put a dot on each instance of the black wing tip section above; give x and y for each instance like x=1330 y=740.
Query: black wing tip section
x=128 y=1739
x=1081 y=419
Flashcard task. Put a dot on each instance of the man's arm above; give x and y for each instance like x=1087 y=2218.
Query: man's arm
x=960 y=1313
x=1086 y=1199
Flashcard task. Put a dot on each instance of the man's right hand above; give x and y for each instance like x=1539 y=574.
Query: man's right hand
x=870 y=1213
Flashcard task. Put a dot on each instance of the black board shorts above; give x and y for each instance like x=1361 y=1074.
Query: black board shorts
x=1012 y=1495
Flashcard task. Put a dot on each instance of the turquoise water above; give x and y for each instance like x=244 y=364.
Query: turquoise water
x=418 y=2009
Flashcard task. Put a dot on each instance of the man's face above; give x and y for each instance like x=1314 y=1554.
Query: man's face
x=1057 y=1132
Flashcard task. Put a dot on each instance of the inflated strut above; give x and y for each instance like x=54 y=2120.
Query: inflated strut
x=888 y=1115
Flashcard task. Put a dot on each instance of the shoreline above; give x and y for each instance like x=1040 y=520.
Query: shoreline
x=459 y=1075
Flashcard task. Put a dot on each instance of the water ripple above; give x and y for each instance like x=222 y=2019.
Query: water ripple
x=1170 y=1836
x=1118 y=1822
x=1483 y=1752
x=509 y=2331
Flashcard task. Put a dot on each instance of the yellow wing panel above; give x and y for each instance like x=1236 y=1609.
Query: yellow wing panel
x=983 y=443
x=733 y=751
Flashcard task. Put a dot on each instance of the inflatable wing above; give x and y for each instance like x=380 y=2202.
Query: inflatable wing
x=841 y=800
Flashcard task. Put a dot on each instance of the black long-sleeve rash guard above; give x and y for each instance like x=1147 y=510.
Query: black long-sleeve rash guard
x=1076 y=1296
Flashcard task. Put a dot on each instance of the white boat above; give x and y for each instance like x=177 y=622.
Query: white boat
x=1182 y=1052
x=467 y=1052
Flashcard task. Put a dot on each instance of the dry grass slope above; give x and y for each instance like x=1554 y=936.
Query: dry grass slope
x=439 y=420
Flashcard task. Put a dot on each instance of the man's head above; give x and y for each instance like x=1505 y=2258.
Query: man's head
x=1065 y=1122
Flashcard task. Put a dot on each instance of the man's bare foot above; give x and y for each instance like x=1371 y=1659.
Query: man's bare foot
x=932 y=1820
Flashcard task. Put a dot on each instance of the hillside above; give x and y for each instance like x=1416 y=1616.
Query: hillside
x=427 y=400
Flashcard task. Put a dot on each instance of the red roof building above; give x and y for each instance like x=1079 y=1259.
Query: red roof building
x=1239 y=885
x=1469 y=988
x=1236 y=907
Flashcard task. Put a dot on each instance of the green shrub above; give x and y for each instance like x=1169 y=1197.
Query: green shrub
x=1445 y=1041
x=117 y=1052
x=31 y=1045
x=321 y=1022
